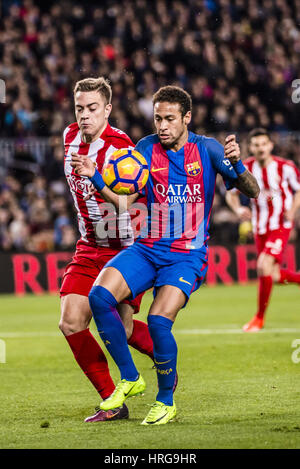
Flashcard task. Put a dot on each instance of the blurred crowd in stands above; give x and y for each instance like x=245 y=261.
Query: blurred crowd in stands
x=237 y=58
x=36 y=211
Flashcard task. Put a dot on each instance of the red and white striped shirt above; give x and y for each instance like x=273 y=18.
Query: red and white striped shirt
x=277 y=181
x=92 y=216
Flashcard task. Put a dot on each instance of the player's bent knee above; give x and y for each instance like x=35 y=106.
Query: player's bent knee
x=64 y=327
x=94 y=297
x=74 y=320
x=263 y=272
x=102 y=304
x=67 y=328
x=166 y=314
x=113 y=281
x=98 y=300
x=71 y=327
x=100 y=295
x=265 y=266
x=75 y=314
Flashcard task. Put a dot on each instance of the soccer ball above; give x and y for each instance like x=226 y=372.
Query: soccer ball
x=125 y=172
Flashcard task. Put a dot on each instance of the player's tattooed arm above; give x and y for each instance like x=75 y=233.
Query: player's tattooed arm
x=246 y=182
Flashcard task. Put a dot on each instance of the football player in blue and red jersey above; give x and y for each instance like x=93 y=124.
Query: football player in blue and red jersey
x=171 y=253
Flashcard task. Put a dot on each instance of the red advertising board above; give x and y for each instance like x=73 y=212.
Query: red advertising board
x=42 y=273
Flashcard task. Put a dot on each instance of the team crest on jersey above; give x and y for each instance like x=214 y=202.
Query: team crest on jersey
x=193 y=169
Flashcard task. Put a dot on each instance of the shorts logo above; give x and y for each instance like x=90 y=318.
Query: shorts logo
x=194 y=169
x=184 y=281
x=276 y=247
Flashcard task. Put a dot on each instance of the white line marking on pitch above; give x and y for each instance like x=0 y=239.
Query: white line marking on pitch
x=233 y=331
x=24 y=335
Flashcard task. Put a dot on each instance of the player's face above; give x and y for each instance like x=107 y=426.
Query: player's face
x=92 y=113
x=171 y=126
x=261 y=147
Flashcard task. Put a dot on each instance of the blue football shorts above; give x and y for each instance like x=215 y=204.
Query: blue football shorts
x=143 y=267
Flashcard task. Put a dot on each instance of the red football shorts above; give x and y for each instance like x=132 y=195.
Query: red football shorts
x=82 y=271
x=273 y=243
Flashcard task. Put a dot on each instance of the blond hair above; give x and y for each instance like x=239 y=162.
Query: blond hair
x=99 y=84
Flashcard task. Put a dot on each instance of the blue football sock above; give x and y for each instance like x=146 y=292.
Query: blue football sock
x=165 y=356
x=110 y=327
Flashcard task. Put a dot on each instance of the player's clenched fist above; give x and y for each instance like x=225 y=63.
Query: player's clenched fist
x=83 y=165
x=232 y=149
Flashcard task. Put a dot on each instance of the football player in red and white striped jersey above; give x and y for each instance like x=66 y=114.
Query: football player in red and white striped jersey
x=92 y=135
x=273 y=213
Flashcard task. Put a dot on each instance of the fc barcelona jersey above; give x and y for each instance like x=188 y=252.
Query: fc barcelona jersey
x=180 y=191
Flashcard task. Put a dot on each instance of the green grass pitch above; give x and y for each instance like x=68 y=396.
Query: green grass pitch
x=235 y=390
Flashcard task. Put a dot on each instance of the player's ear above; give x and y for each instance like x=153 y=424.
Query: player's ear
x=187 y=118
x=107 y=111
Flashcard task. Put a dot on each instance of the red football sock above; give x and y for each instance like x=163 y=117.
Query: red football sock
x=92 y=361
x=264 y=293
x=141 y=339
x=287 y=276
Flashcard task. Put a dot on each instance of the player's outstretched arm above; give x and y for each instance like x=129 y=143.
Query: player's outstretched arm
x=85 y=167
x=233 y=202
x=290 y=215
x=246 y=182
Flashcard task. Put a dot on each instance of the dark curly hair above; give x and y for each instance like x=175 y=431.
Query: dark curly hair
x=174 y=94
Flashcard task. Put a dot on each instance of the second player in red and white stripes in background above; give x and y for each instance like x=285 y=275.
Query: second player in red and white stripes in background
x=272 y=217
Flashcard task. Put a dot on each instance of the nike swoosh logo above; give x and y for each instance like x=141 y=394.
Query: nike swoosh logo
x=113 y=415
x=161 y=363
x=160 y=418
x=126 y=394
x=184 y=281
x=153 y=170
